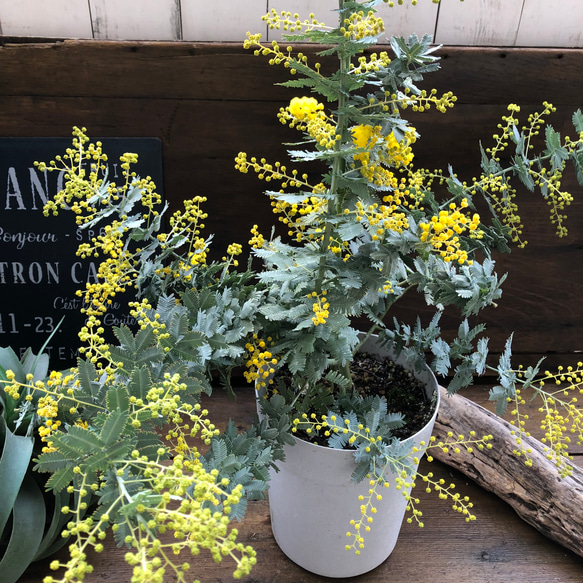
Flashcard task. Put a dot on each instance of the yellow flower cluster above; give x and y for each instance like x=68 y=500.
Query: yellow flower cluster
x=92 y=336
x=459 y=504
x=304 y=108
x=188 y=223
x=297 y=216
x=268 y=172
x=290 y=23
x=257 y=240
x=382 y=218
x=367 y=511
x=79 y=187
x=260 y=362
x=386 y=148
x=360 y=25
x=456 y=442
x=307 y=114
x=373 y=62
x=320 y=308
x=233 y=250
x=188 y=505
x=562 y=420
x=443 y=230
x=503 y=195
x=140 y=311
x=48 y=409
x=278 y=57
x=378 y=153
x=421 y=102
x=57 y=389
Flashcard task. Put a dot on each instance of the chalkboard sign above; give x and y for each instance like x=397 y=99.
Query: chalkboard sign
x=39 y=269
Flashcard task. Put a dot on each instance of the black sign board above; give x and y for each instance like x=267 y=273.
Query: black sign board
x=39 y=269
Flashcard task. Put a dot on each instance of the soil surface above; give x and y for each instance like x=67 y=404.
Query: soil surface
x=405 y=394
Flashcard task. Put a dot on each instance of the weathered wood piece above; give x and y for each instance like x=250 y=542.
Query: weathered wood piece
x=554 y=506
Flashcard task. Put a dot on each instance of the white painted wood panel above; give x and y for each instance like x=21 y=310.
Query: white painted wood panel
x=478 y=22
x=408 y=19
x=222 y=20
x=136 y=19
x=53 y=19
x=551 y=23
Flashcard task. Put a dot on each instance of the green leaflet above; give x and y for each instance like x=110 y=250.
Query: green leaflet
x=125 y=337
x=51 y=461
x=78 y=439
x=523 y=173
x=35 y=364
x=219 y=449
x=87 y=375
x=140 y=383
x=101 y=460
x=339 y=379
x=143 y=339
x=118 y=398
x=114 y=426
x=148 y=443
x=61 y=478
x=555 y=150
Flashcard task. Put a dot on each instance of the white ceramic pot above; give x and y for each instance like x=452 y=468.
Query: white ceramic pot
x=312 y=500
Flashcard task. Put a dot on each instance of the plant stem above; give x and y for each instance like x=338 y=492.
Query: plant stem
x=338 y=164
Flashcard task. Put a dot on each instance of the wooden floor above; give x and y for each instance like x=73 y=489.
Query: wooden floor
x=497 y=548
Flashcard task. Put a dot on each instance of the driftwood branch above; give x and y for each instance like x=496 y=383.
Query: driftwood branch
x=554 y=506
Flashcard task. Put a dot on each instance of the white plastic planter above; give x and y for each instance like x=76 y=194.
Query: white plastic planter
x=312 y=500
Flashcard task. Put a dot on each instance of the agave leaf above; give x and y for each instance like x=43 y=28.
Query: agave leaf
x=35 y=364
x=9 y=361
x=27 y=531
x=16 y=454
x=52 y=539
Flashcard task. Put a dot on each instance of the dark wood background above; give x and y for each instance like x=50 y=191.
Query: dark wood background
x=208 y=101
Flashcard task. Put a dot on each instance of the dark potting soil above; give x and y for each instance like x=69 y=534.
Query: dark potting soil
x=405 y=394
x=373 y=375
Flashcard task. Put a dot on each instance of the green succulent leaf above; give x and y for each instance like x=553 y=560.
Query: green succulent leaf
x=27 y=531
x=14 y=463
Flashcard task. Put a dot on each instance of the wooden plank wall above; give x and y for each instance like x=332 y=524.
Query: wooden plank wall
x=542 y=23
x=206 y=102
